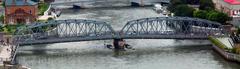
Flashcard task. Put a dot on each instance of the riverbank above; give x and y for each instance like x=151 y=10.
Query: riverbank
x=5 y=58
x=227 y=55
x=223 y=50
x=13 y=67
x=49 y=14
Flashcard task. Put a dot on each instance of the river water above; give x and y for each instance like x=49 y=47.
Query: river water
x=148 y=54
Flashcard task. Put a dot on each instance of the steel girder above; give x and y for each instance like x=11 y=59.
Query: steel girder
x=64 y=31
x=171 y=28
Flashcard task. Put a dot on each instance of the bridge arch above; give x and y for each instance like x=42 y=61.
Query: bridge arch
x=64 y=31
x=171 y=28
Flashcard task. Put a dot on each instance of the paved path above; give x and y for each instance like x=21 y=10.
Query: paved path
x=226 y=41
x=5 y=53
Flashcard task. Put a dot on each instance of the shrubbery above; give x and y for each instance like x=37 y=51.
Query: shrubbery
x=184 y=10
x=2 y=18
x=42 y=7
x=206 y=10
x=10 y=29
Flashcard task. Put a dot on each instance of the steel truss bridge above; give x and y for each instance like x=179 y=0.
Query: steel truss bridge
x=147 y=28
x=88 y=30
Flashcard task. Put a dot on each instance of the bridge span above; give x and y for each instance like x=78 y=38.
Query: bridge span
x=147 y=28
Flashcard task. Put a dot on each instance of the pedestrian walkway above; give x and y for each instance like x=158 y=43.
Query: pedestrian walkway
x=5 y=53
x=227 y=42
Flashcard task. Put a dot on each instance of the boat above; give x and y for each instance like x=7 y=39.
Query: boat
x=135 y=4
x=158 y=8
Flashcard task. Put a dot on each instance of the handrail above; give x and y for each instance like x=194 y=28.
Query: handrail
x=231 y=43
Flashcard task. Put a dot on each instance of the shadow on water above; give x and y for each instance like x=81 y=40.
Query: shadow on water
x=42 y=50
x=37 y=49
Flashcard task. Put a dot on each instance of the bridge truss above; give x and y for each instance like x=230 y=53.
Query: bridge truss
x=146 y=28
x=171 y=28
x=64 y=31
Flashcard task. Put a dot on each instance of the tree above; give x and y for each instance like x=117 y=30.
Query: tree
x=200 y=14
x=42 y=7
x=184 y=10
x=3 y=4
x=223 y=17
x=206 y=5
x=2 y=18
x=218 y=16
x=1 y=28
x=50 y=18
x=212 y=15
x=173 y=4
x=177 y=2
x=194 y=2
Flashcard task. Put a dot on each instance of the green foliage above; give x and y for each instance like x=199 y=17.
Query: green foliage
x=173 y=4
x=184 y=10
x=192 y=2
x=200 y=14
x=176 y=2
x=11 y=29
x=179 y=8
x=50 y=18
x=3 y=4
x=206 y=5
x=212 y=15
x=42 y=7
x=237 y=50
x=234 y=50
x=217 y=16
x=2 y=18
x=207 y=11
x=238 y=30
x=1 y=29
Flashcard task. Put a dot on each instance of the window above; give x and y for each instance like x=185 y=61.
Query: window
x=30 y=11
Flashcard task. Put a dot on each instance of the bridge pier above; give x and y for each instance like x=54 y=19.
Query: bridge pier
x=119 y=44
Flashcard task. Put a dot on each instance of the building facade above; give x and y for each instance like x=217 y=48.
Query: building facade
x=20 y=11
x=231 y=7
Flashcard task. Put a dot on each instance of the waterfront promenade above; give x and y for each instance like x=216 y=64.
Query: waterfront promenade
x=5 y=53
x=5 y=56
x=223 y=46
